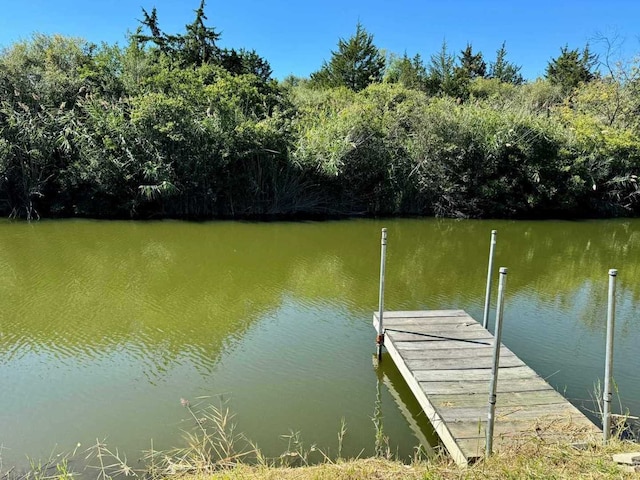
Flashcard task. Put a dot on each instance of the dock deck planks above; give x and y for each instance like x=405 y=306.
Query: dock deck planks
x=445 y=356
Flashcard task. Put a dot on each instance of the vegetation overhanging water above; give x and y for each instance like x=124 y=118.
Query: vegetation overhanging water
x=172 y=125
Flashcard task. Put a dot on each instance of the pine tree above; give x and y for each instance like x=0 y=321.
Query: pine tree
x=473 y=64
x=571 y=68
x=444 y=76
x=504 y=70
x=355 y=65
x=196 y=47
x=199 y=43
x=409 y=72
x=241 y=62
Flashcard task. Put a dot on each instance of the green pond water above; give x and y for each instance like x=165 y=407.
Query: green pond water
x=105 y=326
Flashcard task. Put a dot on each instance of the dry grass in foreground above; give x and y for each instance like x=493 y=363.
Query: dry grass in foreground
x=214 y=451
x=545 y=452
x=535 y=459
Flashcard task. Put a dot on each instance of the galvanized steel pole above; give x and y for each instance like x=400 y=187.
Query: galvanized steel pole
x=383 y=259
x=487 y=298
x=496 y=361
x=608 y=367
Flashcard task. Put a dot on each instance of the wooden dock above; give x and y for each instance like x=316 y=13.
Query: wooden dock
x=446 y=357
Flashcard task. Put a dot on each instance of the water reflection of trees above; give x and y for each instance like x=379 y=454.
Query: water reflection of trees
x=162 y=293
x=172 y=292
x=440 y=263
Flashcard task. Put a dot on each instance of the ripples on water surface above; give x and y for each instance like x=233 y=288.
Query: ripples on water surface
x=104 y=326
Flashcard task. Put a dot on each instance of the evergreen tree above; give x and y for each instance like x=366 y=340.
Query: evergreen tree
x=571 y=68
x=242 y=62
x=409 y=72
x=445 y=77
x=473 y=64
x=196 y=47
x=504 y=70
x=355 y=65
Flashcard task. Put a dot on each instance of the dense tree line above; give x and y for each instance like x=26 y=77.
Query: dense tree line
x=171 y=125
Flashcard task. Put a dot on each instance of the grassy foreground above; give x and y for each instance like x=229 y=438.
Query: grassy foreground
x=215 y=451
x=532 y=460
x=532 y=455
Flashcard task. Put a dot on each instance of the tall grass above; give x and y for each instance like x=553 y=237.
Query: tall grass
x=213 y=449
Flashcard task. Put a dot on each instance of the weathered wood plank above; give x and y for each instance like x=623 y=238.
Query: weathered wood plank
x=480 y=400
x=449 y=317
x=409 y=322
x=437 y=329
x=424 y=313
x=551 y=411
x=457 y=353
x=439 y=425
x=461 y=337
x=479 y=374
x=465 y=363
x=482 y=386
x=554 y=427
x=426 y=343
x=474 y=447
x=446 y=358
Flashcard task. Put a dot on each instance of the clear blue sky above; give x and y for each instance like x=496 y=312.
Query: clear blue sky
x=295 y=36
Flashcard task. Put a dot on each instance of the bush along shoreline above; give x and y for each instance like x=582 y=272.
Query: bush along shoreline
x=175 y=126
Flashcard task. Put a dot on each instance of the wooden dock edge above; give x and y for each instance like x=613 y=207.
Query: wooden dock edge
x=439 y=426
